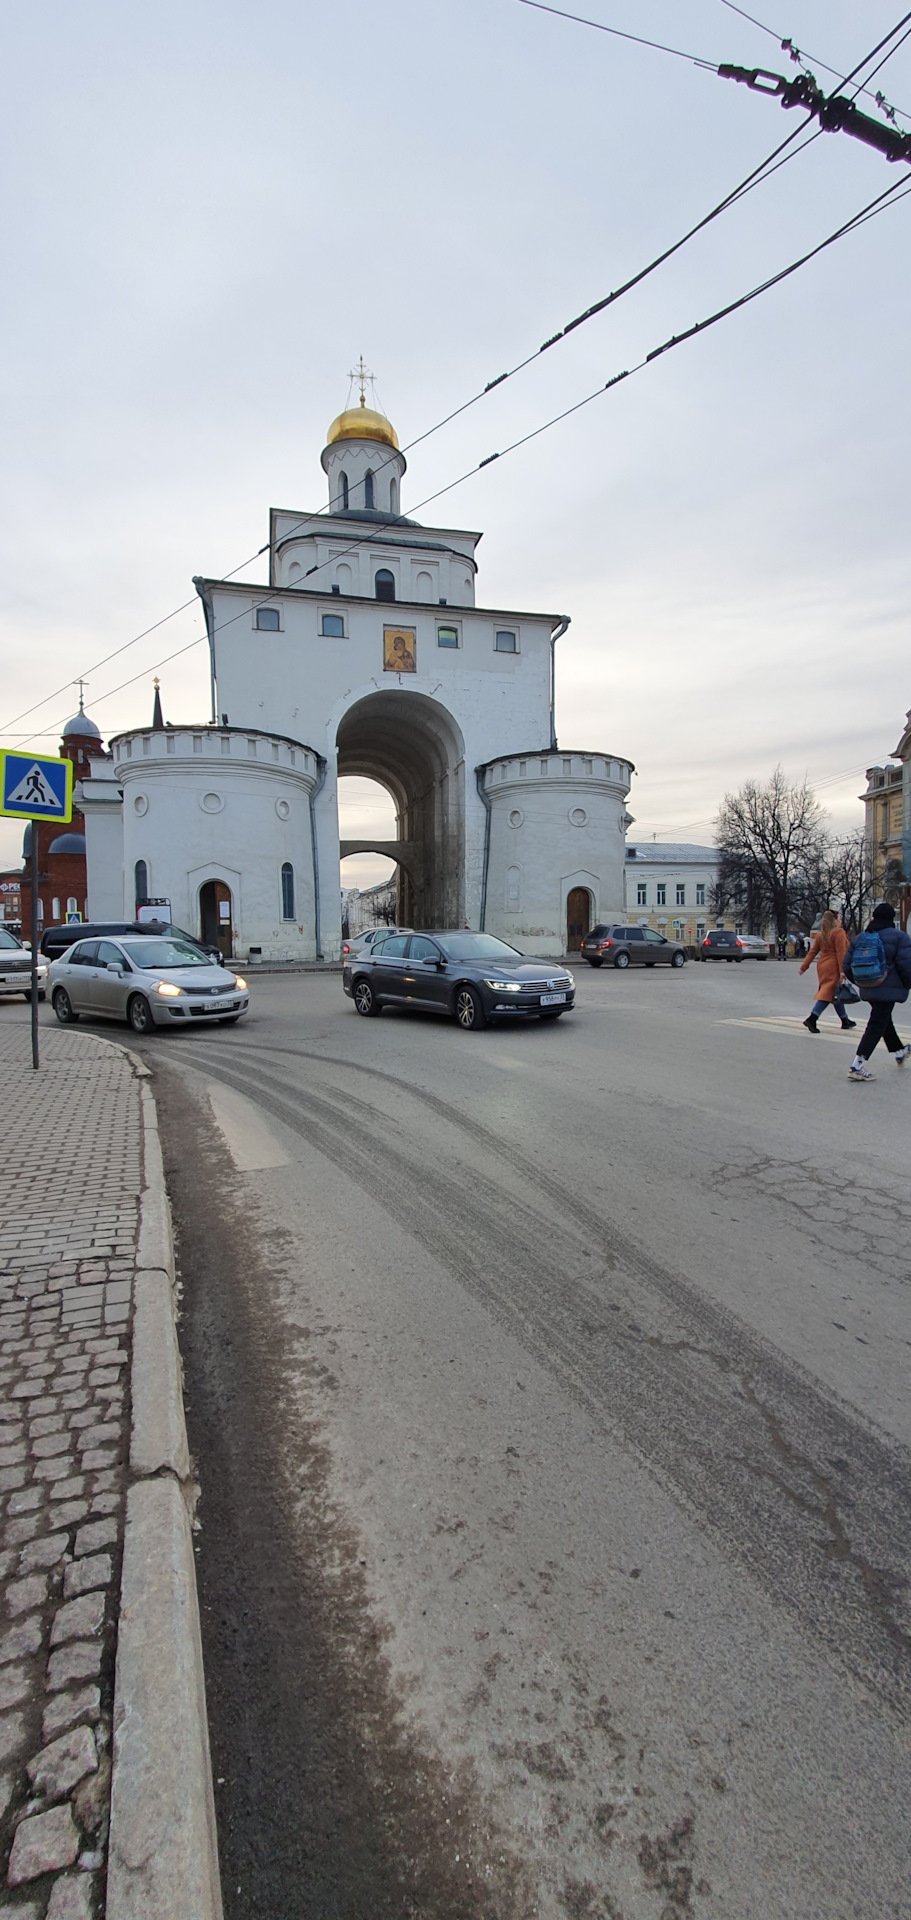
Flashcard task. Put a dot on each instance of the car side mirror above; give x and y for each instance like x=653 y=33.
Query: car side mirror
x=115 y=966
x=440 y=965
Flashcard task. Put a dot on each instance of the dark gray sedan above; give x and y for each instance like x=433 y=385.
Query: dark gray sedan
x=471 y=976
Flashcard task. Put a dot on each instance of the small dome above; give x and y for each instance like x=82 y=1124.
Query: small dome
x=68 y=843
x=81 y=727
x=362 y=423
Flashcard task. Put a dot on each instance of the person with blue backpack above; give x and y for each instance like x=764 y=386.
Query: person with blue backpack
x=879 y=963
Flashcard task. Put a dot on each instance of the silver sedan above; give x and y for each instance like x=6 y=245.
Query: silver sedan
x=151 y=980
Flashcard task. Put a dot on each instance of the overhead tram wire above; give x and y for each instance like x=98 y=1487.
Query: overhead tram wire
x=617 y=33
x=799 y=56
x=899 y=190
x=755 y=178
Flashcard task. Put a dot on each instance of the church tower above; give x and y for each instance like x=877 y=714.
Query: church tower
x=361 y=460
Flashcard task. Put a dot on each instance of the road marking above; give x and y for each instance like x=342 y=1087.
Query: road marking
x=788 y=1026
x=248 y=1137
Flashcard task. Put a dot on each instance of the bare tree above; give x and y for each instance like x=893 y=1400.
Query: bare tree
x=851 y=879
x=773 y=837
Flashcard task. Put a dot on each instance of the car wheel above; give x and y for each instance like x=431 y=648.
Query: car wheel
x=139 y=1014
x=596 y=963
x=621 y=961
x=365 y=1000
x=63 y=1007
x=679 y=960
x=469 y=1011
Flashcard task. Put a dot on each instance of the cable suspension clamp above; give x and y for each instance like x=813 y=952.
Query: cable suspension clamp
x=835 y=113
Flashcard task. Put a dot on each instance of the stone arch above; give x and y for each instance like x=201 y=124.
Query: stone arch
x=414 y=748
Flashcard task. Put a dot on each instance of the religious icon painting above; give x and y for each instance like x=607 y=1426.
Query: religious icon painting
x=400 y=650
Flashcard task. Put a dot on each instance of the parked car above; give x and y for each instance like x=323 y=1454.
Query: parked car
x=149 y=979
x=722 y=943
x=363 y=942
x=473 y=977
x=631 y=947
x=16 y=967
x=56 y=940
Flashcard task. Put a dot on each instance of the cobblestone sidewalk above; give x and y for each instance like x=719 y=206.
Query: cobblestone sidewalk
x=69 y=1208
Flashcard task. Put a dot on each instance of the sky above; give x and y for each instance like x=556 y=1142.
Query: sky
x=210 y=211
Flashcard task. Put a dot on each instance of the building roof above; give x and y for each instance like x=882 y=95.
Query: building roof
x=362 y=423
x=670 y=853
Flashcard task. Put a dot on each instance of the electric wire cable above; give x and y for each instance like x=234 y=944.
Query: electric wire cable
x=899 y=190
x=787 y=46
x=617 y=33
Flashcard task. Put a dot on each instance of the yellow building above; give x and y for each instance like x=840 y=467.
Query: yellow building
x=887 y=824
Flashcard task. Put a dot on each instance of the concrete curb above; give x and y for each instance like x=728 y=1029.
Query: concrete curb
x=163 y=1854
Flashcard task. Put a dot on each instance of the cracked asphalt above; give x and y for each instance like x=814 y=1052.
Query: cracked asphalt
x=548 y=1392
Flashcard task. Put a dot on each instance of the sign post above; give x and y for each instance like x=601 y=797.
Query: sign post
x=35 y=790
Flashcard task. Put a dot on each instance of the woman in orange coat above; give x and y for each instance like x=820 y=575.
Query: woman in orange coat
x=828 y=950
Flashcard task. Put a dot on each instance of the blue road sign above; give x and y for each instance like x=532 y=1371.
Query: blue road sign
x=36 y=789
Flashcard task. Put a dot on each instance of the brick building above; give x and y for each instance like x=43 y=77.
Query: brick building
x=61 y=850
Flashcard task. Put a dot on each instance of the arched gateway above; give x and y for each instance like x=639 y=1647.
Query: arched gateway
x=364 y=652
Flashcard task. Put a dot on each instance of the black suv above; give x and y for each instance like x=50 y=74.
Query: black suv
x=631 y=947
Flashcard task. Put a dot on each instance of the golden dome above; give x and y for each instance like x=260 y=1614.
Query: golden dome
x=362 y=423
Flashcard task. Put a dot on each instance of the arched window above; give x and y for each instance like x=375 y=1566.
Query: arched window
x=55 y=910
x=140 y=882
x=384 y=584
x=393 y=496
x=72 y=905
x=343 y=497
x=368 y=488
x=287 y=891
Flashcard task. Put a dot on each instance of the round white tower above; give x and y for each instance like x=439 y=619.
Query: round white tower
x=362 y=462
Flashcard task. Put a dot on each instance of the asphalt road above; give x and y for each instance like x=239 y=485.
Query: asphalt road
x=548 y=1391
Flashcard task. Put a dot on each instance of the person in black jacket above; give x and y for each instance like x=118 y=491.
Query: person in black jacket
x=882 y=995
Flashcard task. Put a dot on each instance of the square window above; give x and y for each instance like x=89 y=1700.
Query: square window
x=641 y=894
x=447 y=636
x=504 y=641
x=336 y=589
x=661 y=894
x=267 y=620
x=333 y=626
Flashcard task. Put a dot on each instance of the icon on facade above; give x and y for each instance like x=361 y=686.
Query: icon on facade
x=400 y=650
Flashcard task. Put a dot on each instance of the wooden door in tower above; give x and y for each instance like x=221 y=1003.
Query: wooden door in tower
x=578 y=917
x=216 y=917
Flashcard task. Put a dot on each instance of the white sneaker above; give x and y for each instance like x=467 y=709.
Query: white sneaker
x=903 y=1054
x=858 y=1070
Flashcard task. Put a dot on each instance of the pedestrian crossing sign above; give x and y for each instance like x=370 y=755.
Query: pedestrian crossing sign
x=36 y=789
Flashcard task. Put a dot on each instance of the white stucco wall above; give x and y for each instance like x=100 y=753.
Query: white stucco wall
x=213 y=804
x=557 y=821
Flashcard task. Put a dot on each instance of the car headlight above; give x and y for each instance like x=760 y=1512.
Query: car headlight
x=168 y=988
x=570 y=979
x=504 y=986
x=238 y=982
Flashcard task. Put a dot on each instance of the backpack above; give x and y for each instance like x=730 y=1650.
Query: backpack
x=869 y=965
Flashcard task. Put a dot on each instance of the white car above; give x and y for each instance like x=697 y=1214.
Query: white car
x=16 y=967
x=151 y=980
x=362 y=943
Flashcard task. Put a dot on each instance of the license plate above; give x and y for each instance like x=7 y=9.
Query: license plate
x=553 y=999
x=14 y=979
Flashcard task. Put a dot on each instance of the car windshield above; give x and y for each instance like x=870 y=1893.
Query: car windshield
x=479 y=946
x=7 y=940
x=158 y=956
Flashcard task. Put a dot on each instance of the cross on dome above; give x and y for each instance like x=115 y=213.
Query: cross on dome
x=361 y=375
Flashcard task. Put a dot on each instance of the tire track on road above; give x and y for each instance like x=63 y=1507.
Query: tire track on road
x=814 y=1501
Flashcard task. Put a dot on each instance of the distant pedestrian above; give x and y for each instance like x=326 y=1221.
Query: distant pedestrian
x=782 y=946
x=828 y=950
x=879 y=963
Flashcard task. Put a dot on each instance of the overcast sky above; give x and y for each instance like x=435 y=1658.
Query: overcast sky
x=211 y=210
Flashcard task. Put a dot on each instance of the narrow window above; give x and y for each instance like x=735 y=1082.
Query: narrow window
x=287 y=891
x=447 y=636
x=393 y=496
x=140 y=882
x=700 y=893
x=333 y=626
x=641 y=894
x=384 y=584
x=343 y=483
x=661 y=894
x=55 y=909
x=368 y=488
x=72 y=905
x=681 y=893
x=504 y=642
x=700 y=929
x=267 y=619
